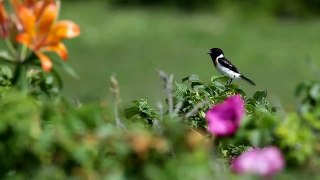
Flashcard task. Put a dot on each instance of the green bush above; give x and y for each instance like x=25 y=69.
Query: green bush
x=261 y=127
x=43 y=139
x=59 y=141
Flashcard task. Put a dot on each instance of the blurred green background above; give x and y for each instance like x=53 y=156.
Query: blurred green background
x=275 y=43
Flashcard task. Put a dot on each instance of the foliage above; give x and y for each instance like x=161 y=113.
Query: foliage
x=298 y=131
x=39 y=139
x=261 y=126
x=296 y=139
x=5 y=76
x=39 y=84
x=309 y=94
x=199 y=97
x=141 y=111
x=58 y=141
x=193 y=98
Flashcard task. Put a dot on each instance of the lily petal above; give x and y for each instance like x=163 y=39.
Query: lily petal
x=59 y=48
x=40 y=6
x=3 y=13
x=45 y=61
x=3 y=21
x=47 y=19
x=30 y=3
x=24 y=38
x=64 y=30
x=27 y=20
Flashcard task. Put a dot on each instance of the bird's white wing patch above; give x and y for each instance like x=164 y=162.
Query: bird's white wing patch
x=228 y=72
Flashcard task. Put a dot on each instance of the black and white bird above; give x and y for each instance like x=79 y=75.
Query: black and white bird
x=225 y=67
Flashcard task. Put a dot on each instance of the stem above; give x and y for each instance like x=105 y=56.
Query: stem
x=23 y=54
x=116 y=92
x=196 y=108
x=11 y=49
x=16 y=73
x=22 y=60
x=168 y=81
x=19 y=76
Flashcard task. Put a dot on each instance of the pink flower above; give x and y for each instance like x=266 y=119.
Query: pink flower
x=224 y=118
x=264 y=162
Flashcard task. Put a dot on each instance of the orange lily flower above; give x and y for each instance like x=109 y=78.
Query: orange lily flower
x=37 y=6
x=3 y=21
x=40 y=31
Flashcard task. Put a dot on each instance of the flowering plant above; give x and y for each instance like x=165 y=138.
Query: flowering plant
x=30 y=32
x=40 y=140
x=264 y=162
x=224 y=118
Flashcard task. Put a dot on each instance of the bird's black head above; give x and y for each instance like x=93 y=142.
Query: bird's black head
x=215 y=52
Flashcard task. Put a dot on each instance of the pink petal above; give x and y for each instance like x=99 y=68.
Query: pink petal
x=264 y=162
x=224 y=118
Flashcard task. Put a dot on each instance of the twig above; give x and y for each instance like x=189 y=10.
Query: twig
x=160 y=110
x=168 y=80
x=115 y=90
x=196 y=108
x=177 y=108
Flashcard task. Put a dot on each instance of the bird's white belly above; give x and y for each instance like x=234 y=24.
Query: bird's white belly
x=228 y=72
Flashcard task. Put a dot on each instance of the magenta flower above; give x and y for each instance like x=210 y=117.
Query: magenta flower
x=264 y=162
x=224 y=118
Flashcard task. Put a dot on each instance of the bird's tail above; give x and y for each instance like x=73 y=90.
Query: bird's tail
x=248 y=80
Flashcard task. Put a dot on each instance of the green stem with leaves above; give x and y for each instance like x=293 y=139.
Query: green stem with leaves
x=20 y=72
x=10 y=47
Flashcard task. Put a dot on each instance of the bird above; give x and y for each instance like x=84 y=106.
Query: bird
x=225 y=67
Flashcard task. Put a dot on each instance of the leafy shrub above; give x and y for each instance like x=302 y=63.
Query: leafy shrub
x=193 y=98
x=261 y=127
x=298 y=131
x=59 y=140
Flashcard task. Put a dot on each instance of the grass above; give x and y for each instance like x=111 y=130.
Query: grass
x=133 y=43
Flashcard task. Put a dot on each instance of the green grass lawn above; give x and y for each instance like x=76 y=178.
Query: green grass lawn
x=134 y=43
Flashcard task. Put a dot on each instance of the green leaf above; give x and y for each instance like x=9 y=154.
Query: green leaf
x=304 y=86
x=131 y=112
x=67 y=68
x=255 y=137
x=5 y=71
x=218 y=86
x=260 y=95
x=141 y=110
x=191 y=78
x=250 y=108
x=181 y=87
x=4 y=55
x=240 y=91
x=197 y=85
x=313 y=120
x=58 y=78
x=49 y=80
x=224 y=79
x=315 y=91
x=274 y=109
